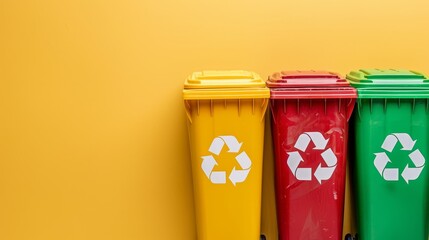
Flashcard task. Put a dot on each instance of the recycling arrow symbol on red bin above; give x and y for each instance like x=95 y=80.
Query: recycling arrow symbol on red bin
x=328 y=156
x=209 y=162
x=382 y=159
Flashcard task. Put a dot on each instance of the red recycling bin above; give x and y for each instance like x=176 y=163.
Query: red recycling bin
x=310 y=113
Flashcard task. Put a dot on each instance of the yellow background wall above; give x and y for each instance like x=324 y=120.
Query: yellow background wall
x=93 y=140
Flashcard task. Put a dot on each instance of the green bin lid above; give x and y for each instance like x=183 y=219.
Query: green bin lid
x=387 y=78
x=389 y=83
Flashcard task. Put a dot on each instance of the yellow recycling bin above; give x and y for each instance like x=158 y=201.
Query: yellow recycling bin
x=226 y=112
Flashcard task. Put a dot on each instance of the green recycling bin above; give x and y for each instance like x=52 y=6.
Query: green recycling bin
x=389 y=151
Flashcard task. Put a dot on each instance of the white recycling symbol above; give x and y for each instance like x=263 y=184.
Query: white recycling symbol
x=392 y=174
x=328 y=156
x=209 y=162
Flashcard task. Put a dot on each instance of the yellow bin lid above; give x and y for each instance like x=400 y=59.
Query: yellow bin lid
x=235 y=84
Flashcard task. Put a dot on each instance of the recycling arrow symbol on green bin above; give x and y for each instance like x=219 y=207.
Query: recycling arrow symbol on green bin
x=382 y=159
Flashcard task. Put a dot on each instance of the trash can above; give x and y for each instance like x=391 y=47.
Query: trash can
x=391 y=140
x=310 y=113
x=226 y=111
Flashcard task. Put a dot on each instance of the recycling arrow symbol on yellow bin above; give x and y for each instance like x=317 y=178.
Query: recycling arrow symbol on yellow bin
x=209 y=162
x=382 y=160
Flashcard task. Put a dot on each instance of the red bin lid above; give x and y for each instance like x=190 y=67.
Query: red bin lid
x=309 y=85
x=286 y=79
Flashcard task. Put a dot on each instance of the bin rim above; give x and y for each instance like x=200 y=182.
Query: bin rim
x=210 y=94
x=313 y=93
x=393 y=93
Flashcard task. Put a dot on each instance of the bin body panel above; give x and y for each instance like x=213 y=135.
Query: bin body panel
x=227 y=211
x=390 y=153
x=390 y=209
x=308 y=209
x=310 y=113
x=226 y=111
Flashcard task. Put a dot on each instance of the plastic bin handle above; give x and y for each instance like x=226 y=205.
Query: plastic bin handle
x=264 y=107
x=188 y=110
x=350 y=107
